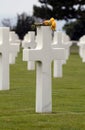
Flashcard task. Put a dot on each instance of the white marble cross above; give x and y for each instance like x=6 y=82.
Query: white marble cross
x=30 y=43
x=15 y=46
x=4 y=58
x=43 y=54
x=13 y=37
x=29 y=40
x=68 y=43
x=81 y=45
x=61 y=40
x=5 y=49
x=58 y=43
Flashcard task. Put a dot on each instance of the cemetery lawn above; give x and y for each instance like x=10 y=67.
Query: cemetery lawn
x=17 y=106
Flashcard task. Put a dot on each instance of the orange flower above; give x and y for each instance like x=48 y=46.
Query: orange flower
x=51 y=23
x=51 y=20
x=53 y=26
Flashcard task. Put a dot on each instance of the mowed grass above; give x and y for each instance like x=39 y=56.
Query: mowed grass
x=17 y=105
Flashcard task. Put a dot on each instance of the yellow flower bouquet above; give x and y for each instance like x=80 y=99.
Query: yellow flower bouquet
x=50 y=22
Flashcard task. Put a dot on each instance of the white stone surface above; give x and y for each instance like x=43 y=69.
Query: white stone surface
x=13 y=38
x=14 y=49
x=30 y=43
x=29 y=40
x=5 y=49
x=81 y=45
x=15 y=46
x=60 y=40
x=4 y=58
x=43 y=54
x=68 y=43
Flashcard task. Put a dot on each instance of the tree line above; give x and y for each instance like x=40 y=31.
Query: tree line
x=72 y=11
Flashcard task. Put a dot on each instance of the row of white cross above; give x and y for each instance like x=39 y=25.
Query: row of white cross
x=45 y=51
x=81 y=44
x=42 y=49
x=8 y=52
x=60 y=40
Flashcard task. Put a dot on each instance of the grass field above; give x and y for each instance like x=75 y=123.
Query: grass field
x=17 y=106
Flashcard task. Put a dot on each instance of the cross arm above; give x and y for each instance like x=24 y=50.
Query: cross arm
x=58 y=54
x=32 y=55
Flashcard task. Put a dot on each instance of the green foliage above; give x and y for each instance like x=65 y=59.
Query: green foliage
x=61 y=9
x=42 y=12
x=64 y=10
x=75 y=29
x=24 y=24
x=17 y=106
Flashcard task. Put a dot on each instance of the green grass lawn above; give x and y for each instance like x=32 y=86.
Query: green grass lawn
x=17 y=106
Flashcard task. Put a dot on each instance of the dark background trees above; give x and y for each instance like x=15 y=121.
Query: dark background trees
x=75 y=29
x=72 y=11
x=60 y=9
x=64 y=10
x=7 y=23
x=23 y=24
